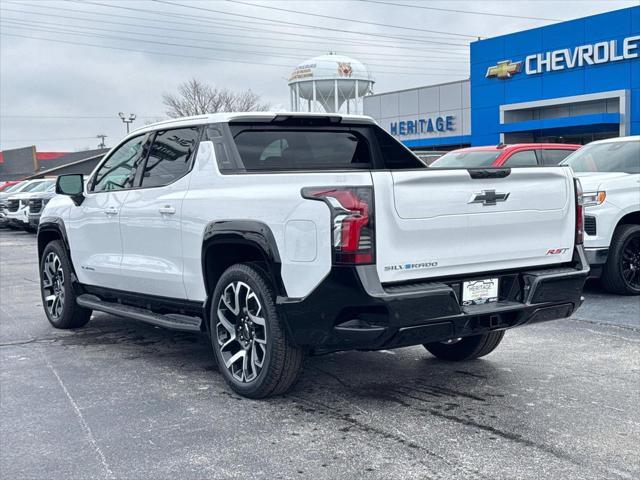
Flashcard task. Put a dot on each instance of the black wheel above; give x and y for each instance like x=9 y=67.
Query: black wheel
x=249 y=340
x=467 y=348
x=621 y=273
x=58 y=296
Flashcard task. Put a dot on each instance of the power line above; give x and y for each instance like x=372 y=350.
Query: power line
x=351 y=20
x=209 y=20
x=297 y=24
x=449 y=53
x=410 y=58
x=200 y=47
x=47 y=139
x=150 y=52
x=79 y=117
x=470 y=12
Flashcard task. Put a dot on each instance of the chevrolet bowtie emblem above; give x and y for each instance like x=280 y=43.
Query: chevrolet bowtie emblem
x=489 y=197
x=504 y=69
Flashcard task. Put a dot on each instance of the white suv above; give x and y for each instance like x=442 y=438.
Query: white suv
x=285 y=234
x=609 y=171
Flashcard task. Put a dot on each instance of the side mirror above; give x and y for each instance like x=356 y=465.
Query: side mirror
x=71 y=185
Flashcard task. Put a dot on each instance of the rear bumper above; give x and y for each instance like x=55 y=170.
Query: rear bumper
x=351 y=309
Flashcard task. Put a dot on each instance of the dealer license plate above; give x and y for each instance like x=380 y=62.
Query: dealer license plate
x=477 y=292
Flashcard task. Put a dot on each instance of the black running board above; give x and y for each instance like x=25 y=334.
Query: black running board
x=183 y=323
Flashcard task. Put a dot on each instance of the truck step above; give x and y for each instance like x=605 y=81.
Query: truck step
x=183 y=323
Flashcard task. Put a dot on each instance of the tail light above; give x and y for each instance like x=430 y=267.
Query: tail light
x=352 y=226
x=579 y=212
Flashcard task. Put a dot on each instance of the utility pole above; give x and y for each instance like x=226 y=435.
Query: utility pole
x=102 y=136
x=127 y=119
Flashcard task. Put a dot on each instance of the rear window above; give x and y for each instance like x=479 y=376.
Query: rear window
x=466 y=159
x=284 y=149
x=554 y=157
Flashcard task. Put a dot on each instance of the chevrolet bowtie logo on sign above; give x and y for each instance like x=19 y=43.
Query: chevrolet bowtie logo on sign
x=504 y=69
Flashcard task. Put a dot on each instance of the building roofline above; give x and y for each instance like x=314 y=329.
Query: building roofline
x=554 y=23
x=52 y=171
x=417 y=88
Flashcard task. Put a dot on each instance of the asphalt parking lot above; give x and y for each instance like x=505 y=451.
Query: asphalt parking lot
x=120 y=399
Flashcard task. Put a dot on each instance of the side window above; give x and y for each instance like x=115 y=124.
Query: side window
x=170 y=156
x=119 y=171
x=554 y=157
x=525 y=158
x=395 y=156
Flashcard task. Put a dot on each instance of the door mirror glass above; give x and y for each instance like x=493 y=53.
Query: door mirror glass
x=72 y=184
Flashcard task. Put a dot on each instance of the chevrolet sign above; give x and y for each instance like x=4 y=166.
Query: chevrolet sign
x=565 y=58
x=601 y=52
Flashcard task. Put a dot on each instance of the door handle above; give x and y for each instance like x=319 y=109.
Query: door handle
x=111 y=211
x=167 y=210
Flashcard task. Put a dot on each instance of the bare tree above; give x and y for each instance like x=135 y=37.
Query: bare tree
x=196 y=98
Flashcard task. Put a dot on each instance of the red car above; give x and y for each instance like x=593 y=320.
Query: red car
x=7 y=184
x=516 y=155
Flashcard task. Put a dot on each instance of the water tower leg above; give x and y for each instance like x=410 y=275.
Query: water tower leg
x=314 y=94
x=335 y=97
x=291 y=98
x=355 y=110
x=297 y=97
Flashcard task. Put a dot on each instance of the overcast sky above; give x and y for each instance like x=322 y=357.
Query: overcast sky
x=69 y=66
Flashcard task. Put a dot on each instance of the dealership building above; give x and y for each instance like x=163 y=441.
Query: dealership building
x=571 y=82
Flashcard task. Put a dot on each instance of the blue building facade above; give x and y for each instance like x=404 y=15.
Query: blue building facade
x=574 y=81
x=570 y=82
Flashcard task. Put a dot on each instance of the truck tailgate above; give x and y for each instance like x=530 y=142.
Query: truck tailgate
x=445 y=223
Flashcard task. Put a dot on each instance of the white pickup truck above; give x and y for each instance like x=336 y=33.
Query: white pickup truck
x=285 y=234
x=610 y=174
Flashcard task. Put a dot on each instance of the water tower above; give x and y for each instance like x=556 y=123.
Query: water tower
x=329 y=83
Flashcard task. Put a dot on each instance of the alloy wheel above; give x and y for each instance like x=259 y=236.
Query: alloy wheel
x=53 y=285
x=241 y=332
x=630 y=262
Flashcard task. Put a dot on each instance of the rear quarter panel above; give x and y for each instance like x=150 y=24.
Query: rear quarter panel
x=301 y=227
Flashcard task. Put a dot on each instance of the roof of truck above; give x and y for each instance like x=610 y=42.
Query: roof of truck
x=248 y=117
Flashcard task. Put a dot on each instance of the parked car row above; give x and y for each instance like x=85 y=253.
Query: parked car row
x=22 y=203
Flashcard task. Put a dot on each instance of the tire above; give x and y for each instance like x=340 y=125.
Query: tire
x=621 y=273
x=244 y=319
x=467 y=348
x=55 y=281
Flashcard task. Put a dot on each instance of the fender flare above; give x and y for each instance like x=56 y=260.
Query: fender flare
x=52 y=224
x=243 y=232
x=56 y=224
